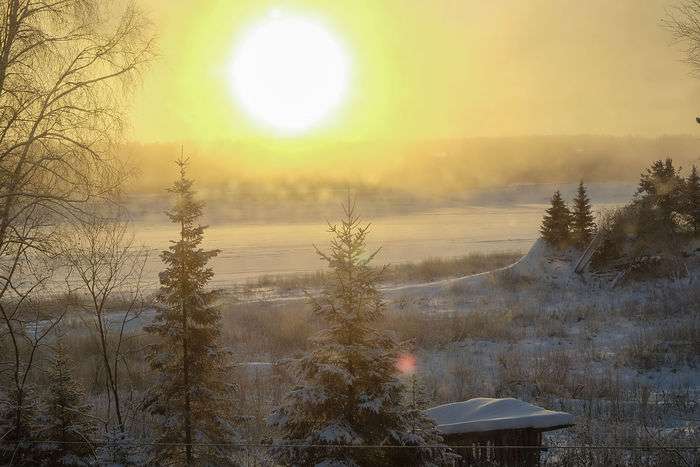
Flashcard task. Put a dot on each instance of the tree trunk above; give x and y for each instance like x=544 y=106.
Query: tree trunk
x=186 y=365
x=110 y=377
x=186 y=376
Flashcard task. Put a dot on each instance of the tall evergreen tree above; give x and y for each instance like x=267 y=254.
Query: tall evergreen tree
x=67 y=423
x=192 y=398
x=349 y=392
x=582 y=225
x=692 y=198
x=556 y=223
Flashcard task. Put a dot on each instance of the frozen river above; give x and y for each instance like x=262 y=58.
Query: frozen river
x=249 y=250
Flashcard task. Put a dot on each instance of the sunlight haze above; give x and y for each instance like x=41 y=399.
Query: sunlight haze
x=350 y=233
x=439 y=69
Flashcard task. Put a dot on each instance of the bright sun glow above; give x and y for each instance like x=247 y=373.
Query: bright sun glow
x=289 y=72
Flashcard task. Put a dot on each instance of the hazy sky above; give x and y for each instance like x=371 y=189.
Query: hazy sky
x=432 y=69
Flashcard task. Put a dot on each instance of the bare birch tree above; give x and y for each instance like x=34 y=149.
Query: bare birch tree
x=108 y=268
x=65 y=66
x=683 y=20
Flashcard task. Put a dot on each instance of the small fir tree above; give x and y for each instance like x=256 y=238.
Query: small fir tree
x=420 y=427
x=19 y=425
x=556 y=223
x=120 y=449
x=349 y=392
x=68 y=425
x=692 y=199
x=582 y=224
x=192 y=398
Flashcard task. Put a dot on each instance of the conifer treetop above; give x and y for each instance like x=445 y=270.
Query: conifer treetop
x=354 y=281
x=582 y=221
x=557 y=222
x=185 y=257
x=186 y=209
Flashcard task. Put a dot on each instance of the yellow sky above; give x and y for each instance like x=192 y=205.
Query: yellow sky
x=433 y=69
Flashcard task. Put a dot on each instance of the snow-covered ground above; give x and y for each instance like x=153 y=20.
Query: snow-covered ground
x=623 y=360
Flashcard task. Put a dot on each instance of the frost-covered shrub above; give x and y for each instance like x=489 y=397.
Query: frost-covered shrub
x=664 y=344
x=682 y=341
x=511 y=373
x=447 y=328
x=550 y=373
x=510 y=281
x=643 y=351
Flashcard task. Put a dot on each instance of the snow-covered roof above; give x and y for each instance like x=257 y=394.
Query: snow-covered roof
x=485 y=414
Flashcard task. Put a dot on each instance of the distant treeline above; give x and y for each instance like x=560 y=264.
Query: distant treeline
x=315 y=171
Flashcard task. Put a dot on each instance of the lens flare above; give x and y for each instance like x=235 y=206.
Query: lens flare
x=406 y=364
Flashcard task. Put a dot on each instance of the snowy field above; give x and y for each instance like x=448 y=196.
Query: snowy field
x=624 y=361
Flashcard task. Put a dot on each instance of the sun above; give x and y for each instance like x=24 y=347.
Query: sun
x=289 y=73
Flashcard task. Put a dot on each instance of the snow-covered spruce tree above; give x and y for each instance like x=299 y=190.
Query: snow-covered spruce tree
x=348 y=391
x=582 y=224
x=66 y=423
x=416 y=401
x=19 y=425
x=692 y=199
x=556 y=223
x=191 y=398
x=119 y=449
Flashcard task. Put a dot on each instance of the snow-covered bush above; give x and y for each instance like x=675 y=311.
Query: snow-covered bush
x=66 y=422
x=120 y=449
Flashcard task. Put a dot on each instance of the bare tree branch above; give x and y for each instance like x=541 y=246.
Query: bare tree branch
x=66 y=67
